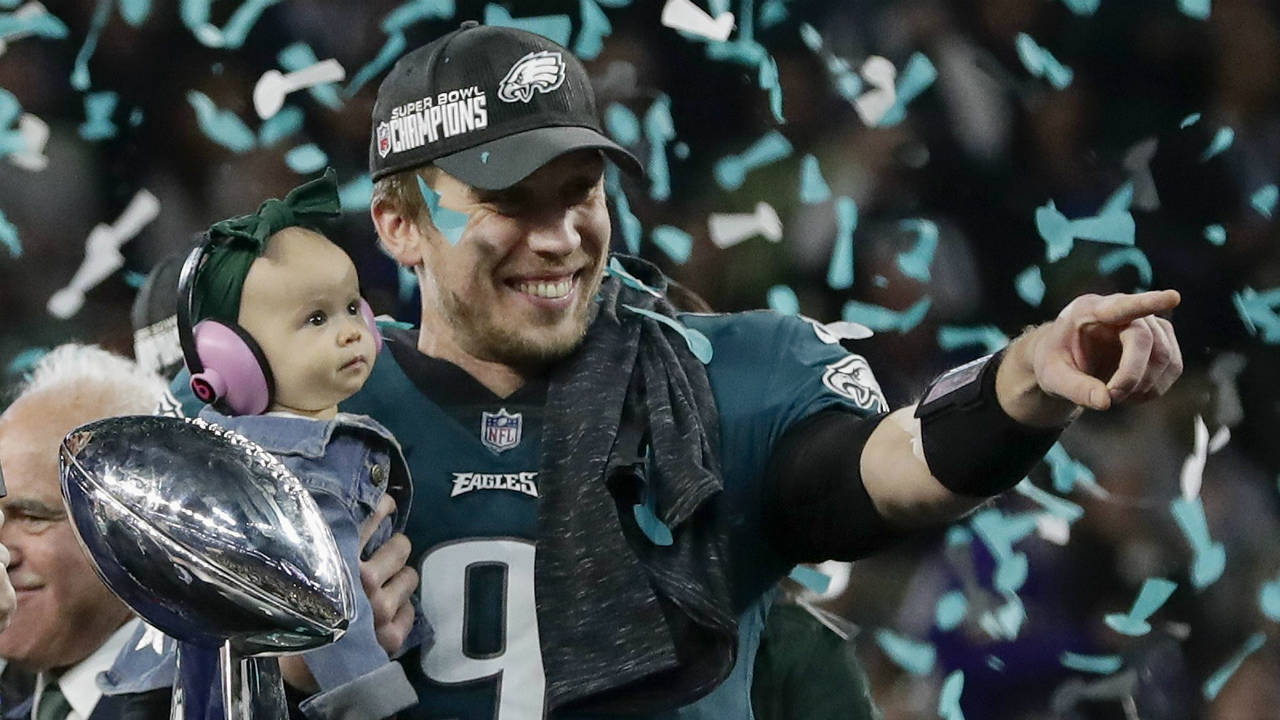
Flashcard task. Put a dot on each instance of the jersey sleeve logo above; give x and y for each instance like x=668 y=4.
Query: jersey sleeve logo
x=851 y=377
x=537 y=72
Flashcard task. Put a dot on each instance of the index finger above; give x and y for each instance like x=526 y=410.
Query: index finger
x=386 y=506
x=1118 y=309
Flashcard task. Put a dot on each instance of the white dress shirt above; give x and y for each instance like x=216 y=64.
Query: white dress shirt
x=80 y=682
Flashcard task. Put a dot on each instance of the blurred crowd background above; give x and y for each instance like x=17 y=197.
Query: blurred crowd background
x=934 y=228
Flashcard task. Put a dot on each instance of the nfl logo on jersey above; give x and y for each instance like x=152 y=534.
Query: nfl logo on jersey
x=500 y=431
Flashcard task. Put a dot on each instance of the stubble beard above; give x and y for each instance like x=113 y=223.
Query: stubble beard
x=480 y=333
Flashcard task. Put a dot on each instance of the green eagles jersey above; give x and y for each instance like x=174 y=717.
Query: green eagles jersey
x=474 y=459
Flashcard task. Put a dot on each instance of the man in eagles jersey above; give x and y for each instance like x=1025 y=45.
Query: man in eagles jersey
x=606 y=488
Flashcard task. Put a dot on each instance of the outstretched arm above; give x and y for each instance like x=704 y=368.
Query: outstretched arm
x=1099 y=352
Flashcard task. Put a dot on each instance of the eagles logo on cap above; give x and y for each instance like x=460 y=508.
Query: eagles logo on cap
x=537 y=72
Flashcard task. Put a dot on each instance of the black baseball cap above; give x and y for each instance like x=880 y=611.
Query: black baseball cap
x=488 y=105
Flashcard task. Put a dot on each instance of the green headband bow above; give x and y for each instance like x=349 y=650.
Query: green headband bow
x=238 y=241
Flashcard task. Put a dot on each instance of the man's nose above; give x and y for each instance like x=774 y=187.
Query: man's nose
x=554 y=233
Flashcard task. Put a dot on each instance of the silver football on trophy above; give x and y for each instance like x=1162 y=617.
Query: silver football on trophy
x=205 y=535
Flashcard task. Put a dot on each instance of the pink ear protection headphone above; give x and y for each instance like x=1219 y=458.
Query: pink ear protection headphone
x=228 y=368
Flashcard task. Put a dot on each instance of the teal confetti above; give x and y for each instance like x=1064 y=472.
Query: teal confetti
x=1210 y=557
x=614 y=3
x=98 y=108
x=415 y=10
x=1066 y=471
x=1216 y=235
x=731 y=171
x=741 y=50
x=356 y=194
x=615 y=269
x=1082 y=8
x=242 y=21
x=949 y=697
x=1214 y=684
x=1264 y=200
x=915 y=657
x=915 y=263
x=10 y=109
x=1114 y=226
x=989 y=337
x=299 y=55
x=450 y=223
x=772 y=13
x=1030 y=286
x=769 y=82
x=698 y=343
x=9 y=237
x=717 y=6
x=1195 y=9
x=880 y=281
x=44 y=25
x=80 y=72
x=221 y=126
x=24 y=361
x=958 y=535
x=681 y=149
x=135 y=117
x=1269 y=600
x=629 y=223
x=653 y=528
x=1132 y=257
x=280 y=126
x=484 y=157
x=1097 y=664
x=1041 y=63
x=916 y=77
x=306 y=159
x=135 y=12
x=391 y=49
x=1189 y=120
x=9 y=4
x=812 y=580
x=1052 y=504
x=407 y=282
x=1221 y=141
x=1119 y=201
x=1258 y=311
x=950 y=611
x=594 y=28
x=555 y=27
x=659 y=128
x=134 y=279
x=621 y=123
x=880 y=318
x=1154 y=593
x=782 y=298
x=813 y=188
x=840 y=269
x=995 y=663
x=676 y=243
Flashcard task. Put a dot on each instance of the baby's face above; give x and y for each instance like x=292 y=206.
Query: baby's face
x=301 y=303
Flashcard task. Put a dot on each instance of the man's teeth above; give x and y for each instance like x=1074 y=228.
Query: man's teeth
x=546 y=289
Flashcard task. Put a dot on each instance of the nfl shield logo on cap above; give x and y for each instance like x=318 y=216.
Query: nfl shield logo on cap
x=384 y=139
x=500 y=431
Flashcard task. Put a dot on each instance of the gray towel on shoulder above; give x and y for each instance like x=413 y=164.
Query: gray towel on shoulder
x=627 y=625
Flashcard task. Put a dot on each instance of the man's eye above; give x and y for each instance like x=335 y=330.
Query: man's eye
x=317 y=318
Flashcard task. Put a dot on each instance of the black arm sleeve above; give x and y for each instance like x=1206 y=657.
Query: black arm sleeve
x=815 y=505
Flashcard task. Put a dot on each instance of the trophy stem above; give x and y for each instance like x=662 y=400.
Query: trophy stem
x=252 y=688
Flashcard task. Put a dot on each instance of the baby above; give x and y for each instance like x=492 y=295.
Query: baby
x=280 y=337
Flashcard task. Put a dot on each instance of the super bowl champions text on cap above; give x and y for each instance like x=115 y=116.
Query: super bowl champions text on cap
x=429 y=119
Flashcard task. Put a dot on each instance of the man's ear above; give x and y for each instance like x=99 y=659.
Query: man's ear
x=399 y=233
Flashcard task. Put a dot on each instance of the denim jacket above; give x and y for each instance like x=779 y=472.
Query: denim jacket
x=347 y=463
